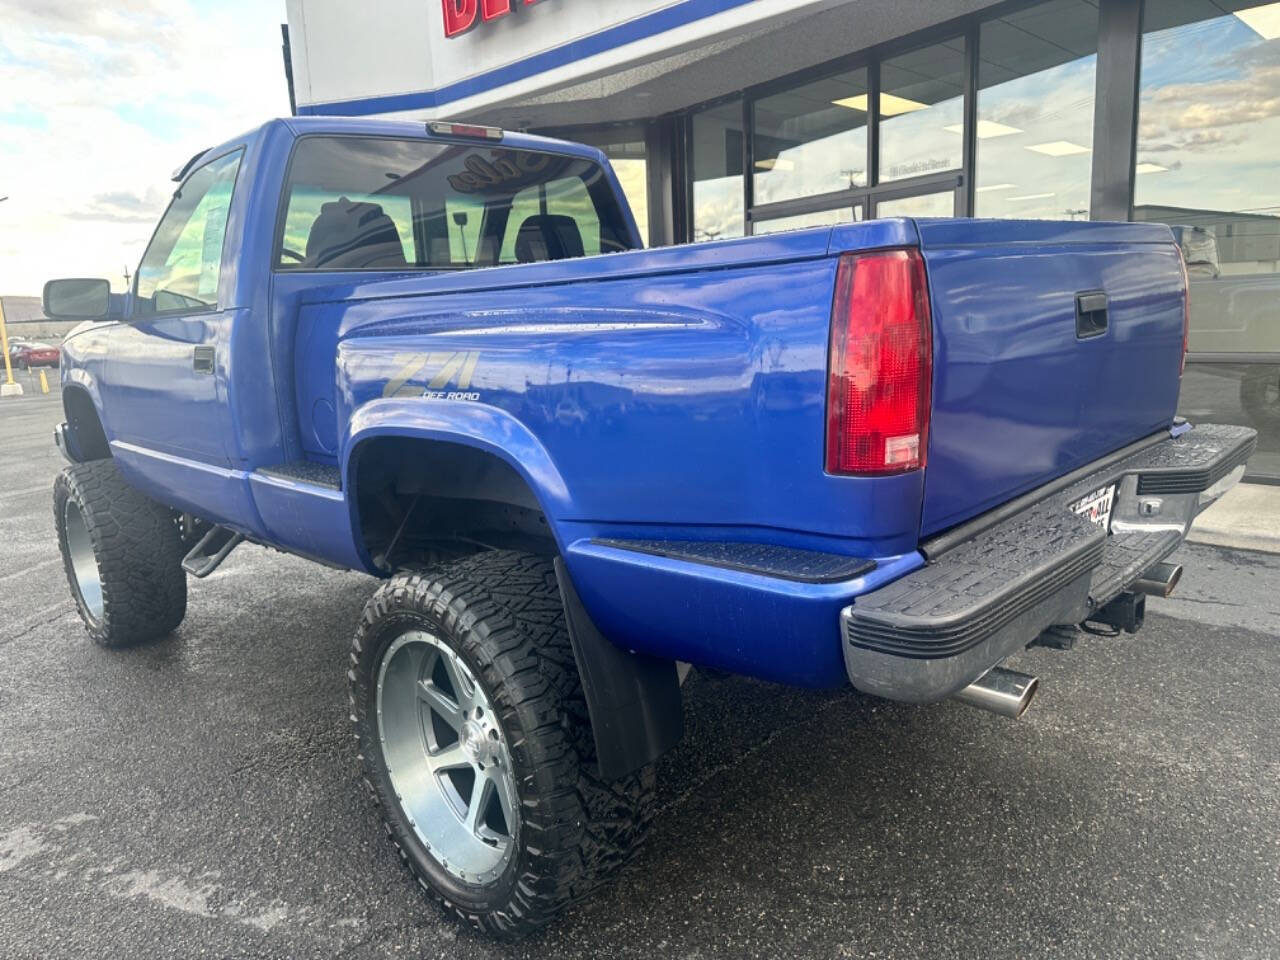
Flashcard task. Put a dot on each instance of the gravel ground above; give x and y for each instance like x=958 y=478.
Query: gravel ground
x=199 y=797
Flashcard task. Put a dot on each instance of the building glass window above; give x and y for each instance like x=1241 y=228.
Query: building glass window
x=800 y=221
x=811 y=139
x=922 y=112
x=942 y=204
x=632 y=168
x=717 y=172
x=1036 y=81
x=1208 y=135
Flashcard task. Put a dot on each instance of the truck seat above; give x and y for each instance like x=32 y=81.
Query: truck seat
x=548 y=236
x=354 y=236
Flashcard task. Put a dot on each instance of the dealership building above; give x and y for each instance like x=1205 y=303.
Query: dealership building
x=727 y=118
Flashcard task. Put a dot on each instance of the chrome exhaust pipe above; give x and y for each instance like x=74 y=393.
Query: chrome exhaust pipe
x=1160 y=580
x=1001 y=691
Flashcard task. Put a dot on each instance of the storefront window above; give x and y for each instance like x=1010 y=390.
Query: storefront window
x=1208 y=137
x=921 y=205
x=922 y=112
x=820 y=218
x=717 y=172
x=812 y=139
x=1035 y=112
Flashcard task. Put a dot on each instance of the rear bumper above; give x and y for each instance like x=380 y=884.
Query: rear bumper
x=992 y=587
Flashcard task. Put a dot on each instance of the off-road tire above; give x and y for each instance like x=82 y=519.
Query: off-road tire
x=137 y=549
x=502 y=612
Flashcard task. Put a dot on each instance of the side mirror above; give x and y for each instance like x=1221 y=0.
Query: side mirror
x=77 y=299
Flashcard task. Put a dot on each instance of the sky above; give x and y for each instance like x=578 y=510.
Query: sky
x=99 y=103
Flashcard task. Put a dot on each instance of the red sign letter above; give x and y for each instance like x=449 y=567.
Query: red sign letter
x=493 y=9
x=459 y=16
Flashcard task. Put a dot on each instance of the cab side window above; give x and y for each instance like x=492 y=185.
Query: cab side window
x=179 y=272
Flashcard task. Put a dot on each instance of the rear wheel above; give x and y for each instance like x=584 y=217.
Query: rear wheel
x=475 y=742
x=122 y=554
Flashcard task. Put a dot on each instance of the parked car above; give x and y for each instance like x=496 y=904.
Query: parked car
x=30 y=353
x=887 y=454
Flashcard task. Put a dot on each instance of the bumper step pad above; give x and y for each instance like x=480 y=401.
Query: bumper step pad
x=953 y=604
x=985 y=596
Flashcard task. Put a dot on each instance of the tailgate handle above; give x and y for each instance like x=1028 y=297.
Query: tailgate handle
x=1091 y=314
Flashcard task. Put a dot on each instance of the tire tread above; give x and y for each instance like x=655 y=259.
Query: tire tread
x=577 y=830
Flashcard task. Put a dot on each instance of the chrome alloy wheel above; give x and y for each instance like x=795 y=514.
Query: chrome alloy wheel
x=84 y=565
x=447 y=757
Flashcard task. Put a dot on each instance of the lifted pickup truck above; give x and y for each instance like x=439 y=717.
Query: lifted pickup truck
x=888 y=453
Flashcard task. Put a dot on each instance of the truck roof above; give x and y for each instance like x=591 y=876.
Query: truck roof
x=362 y=126
x=349 y=126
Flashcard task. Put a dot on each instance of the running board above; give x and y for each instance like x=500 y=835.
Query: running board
x=207 y=555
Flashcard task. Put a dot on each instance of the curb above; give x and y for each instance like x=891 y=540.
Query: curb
x=1246 y=518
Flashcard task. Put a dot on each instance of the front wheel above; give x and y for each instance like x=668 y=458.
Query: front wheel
x=122 y=553
x=475 y=741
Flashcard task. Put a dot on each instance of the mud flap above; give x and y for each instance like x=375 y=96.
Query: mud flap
x=633 y=698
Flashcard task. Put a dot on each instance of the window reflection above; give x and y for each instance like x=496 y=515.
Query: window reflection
x=624 y=145
x=1209 y=122
x=922 y=205
x=717 y=172
x=1035 y=112
x=812 y=139
x=819 y=218
x=180 y=268
x=922 y=111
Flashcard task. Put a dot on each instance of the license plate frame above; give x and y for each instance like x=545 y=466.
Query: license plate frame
x=1097 y=506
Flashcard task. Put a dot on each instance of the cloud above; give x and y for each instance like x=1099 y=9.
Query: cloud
x=121 y=20
x=101 y=103
x=123 y=206
x=1213 y=139
x=1247 y=98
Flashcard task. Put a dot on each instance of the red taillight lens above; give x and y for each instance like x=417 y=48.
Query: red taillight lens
x=1186 y=309
x=880 y=365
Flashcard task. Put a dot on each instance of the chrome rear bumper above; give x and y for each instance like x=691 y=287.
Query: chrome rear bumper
x=989 y=593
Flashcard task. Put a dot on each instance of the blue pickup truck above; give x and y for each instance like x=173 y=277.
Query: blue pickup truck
x=887 y=454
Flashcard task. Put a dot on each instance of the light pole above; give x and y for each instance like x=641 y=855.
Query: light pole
x=8 y=388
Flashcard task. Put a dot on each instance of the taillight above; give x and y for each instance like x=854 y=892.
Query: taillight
x=880 y=365
x=1186 y=309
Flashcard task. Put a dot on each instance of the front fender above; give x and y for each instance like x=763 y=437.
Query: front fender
x=465 y=422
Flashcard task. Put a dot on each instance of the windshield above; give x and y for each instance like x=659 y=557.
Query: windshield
x=370 y=203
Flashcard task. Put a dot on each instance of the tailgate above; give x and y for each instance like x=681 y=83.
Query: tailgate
x=1025 y=391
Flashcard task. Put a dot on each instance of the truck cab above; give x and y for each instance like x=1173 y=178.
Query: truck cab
x=261 y=225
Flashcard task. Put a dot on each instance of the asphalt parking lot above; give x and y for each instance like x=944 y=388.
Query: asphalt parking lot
x=199 y=797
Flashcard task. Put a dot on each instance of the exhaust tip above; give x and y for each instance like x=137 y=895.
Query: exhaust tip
x=1160 y=580
x=1007 y=693
x=1028 y=693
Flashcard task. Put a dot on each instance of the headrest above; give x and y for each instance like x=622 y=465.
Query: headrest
x=354 y=236
x=547 y=236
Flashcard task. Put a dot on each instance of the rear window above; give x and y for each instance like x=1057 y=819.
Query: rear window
x=365 y=203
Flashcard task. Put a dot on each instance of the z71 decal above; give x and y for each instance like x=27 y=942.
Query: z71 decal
x=439 y=370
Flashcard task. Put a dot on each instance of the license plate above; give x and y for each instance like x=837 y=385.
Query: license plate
x=1096 y=506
